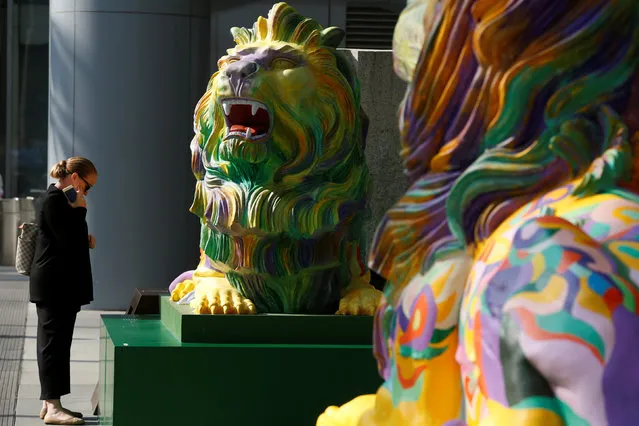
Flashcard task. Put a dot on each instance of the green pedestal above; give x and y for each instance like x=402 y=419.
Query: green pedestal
x=245 y=370
x=267 y=328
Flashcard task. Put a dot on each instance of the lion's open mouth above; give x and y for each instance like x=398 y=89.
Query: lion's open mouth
x=246 y=118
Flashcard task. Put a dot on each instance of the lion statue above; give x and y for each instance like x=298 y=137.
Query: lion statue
x=282 y=182
x=512 y=263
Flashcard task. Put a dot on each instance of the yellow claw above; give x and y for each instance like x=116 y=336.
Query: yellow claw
x=349 y=414
x=360 y=301
x=182 y=289
x=216 y=296
x=202 y=307
x=360 y=297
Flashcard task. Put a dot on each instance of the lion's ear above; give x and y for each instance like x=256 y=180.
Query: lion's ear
x=241 y=35
x=332 y=36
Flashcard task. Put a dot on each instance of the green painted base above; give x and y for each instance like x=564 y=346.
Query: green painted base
x=149 y=377
x=265 y=328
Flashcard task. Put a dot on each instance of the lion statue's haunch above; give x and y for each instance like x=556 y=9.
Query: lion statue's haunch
x=278 y=155
x=512 y=263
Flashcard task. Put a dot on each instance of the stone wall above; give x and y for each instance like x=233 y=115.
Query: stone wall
x=381 y=94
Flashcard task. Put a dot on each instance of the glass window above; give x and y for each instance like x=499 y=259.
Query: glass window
x=3 y=90
x=26 y=96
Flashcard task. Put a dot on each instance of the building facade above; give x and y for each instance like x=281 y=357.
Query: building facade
x=24 y=65
x=117 y=81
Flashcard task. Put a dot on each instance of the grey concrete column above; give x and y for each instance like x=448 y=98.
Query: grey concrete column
x=124 y=79
x=381 y=93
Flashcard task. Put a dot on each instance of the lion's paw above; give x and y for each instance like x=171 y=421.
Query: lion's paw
x=349 y=414
x=221 y=301
x=182 y=289
x=360 y=301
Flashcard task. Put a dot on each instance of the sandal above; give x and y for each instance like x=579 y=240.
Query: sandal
x=43 y=413
x=50 y=420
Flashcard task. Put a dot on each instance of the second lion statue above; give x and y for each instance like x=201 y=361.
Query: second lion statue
x=512 y=262
x=282 y=181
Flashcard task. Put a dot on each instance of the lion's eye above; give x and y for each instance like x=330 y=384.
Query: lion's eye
x=282 y=64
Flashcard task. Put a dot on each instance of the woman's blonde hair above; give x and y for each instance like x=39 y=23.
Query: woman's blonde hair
x=80 y=165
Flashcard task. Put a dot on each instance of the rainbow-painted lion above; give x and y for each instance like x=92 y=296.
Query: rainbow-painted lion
x=513 y=260
x=278 y=155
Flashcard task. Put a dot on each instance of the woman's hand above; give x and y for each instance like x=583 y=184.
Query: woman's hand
x=80 y=201
x=91 y=241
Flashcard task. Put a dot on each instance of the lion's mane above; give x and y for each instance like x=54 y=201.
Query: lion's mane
x=301 y=204
x=508 y=100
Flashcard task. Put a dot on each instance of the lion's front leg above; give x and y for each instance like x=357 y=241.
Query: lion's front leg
x=215 y=295
x=416 y=337
x=359 y=297
x=209 y=292
x=348 y=414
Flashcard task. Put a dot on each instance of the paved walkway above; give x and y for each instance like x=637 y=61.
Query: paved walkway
x=19 y=384
x=13 y=314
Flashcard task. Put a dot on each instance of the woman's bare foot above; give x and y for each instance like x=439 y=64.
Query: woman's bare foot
x=55 y=414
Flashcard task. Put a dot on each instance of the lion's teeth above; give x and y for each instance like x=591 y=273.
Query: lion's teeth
x=248 y=133
x=254 y=109
x=227 y=107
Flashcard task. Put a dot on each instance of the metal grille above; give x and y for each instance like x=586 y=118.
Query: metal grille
x=14 y=299
x=369 y=27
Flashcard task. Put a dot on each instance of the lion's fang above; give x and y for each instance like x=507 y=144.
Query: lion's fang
x=227 y=108
x=248 y=133
x=254 y=108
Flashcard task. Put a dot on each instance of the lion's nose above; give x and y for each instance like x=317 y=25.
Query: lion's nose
x=241 y=69
x=238 y=73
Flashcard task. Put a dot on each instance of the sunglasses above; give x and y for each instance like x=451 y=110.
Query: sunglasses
x=87 y=183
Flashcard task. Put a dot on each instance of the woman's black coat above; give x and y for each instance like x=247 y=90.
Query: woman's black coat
x=61 y=269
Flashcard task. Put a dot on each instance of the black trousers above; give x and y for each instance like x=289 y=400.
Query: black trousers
x=55 y=334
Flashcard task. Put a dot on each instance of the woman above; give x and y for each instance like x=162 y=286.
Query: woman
x=61 y=281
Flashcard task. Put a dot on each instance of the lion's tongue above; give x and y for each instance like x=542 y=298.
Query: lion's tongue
x=242 y=129
x=255 y=130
